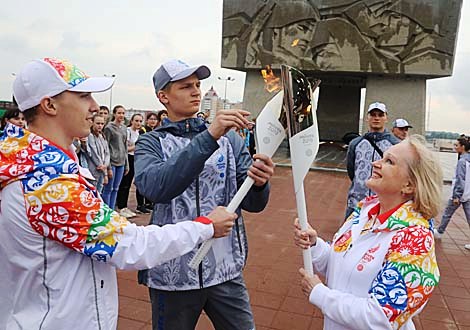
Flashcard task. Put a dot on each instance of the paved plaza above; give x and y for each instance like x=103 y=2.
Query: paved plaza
x=272 y=276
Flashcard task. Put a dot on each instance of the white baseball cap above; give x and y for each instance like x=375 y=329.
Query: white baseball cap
x=377 y=105
x=175 y=70
x=49 y=77
x=400 y=123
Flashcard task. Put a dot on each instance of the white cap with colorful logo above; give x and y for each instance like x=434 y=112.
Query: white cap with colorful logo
x=49 y=77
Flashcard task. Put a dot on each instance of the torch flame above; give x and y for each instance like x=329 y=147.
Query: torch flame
x=272 y=83
x=295 y=42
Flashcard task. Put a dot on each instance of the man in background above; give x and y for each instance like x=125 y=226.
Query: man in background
x=401 y=128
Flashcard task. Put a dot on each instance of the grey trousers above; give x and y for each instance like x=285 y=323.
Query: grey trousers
x=227 y=305
x=449 y=211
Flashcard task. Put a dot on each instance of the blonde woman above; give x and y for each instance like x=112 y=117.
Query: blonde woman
x=381 y=266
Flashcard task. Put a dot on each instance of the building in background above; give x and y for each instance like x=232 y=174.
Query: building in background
x=211 y=102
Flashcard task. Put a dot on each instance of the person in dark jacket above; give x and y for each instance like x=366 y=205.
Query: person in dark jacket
x=186 y=168
x=363 y=150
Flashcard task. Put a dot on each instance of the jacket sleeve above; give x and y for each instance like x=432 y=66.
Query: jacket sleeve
x=399 y=291
x=65 y=210
x=320 y=254
x=257 y=197
x=351 y=157
x=92 y=152
x=459 y=185
x=160 y=180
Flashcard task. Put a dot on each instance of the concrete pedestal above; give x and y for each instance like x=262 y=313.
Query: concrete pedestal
x=404 y=97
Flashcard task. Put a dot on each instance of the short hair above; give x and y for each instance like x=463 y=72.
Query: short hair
x=425 y=174
x=464 y=142
x=103 y=107
x=160 y=113
x=150 y=114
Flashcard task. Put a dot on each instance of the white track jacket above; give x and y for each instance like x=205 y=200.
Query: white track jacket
x=60 y=244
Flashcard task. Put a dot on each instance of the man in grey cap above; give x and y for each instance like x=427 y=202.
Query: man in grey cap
x=364 y=150
x=60 y=244
x=400 y=128
x=185 y=168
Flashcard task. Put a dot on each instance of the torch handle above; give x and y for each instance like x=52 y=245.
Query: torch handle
x=231 y=207
x=302 y=213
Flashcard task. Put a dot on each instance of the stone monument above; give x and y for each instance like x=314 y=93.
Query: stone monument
x=389 y=47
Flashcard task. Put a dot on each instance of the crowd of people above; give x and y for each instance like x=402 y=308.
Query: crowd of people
x=68 y=166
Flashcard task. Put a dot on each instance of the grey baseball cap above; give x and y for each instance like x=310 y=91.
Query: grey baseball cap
x=175 y=70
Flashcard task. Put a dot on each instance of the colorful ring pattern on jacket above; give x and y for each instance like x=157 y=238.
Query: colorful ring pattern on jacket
x=60 y=204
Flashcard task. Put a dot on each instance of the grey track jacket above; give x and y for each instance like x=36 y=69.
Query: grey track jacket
x=361 y=154
x=461 y=182
x=186 y=173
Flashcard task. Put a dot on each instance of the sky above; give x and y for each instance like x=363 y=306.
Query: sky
x=130 y=39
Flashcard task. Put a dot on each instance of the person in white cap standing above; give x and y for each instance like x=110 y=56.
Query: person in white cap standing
x=400 y=128
x=363 y=150
x=186 y=168
x=59 y=242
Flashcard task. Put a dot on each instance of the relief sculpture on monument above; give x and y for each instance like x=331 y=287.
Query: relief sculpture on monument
x=412 y=37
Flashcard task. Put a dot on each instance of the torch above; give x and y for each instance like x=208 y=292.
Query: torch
x=270 y=131
x=303 y=138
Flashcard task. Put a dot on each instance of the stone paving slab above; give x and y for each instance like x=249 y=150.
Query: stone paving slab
x=271 y=272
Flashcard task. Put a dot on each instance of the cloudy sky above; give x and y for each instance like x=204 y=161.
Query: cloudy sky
x=132 y=38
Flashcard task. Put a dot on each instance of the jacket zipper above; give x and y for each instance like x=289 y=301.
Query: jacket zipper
x=369 y=192
x=198 y=206
x=237 y=227
x=96 y=292
x=198 y=210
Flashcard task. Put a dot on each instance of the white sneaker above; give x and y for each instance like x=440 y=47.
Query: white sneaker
x=125 y=212
x=437 y=234
x=467 y=246
x=132 y=214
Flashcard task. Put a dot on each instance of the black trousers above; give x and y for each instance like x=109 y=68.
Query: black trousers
x=125 y=186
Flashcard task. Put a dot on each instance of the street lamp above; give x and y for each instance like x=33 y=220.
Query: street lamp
x=110 y=91
x=225 y=90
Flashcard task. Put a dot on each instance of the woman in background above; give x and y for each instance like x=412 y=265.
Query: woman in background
x=161 y=116
x=13 y=116
x=151 y=121
x=125 y=186
x=98 y=150
x=116 y=136
x=381 y=265
x=145 y=206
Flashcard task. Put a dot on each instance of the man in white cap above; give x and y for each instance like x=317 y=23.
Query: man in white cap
x=186 y=168
x=400 y=128
x=59 y=242
x=364 y=150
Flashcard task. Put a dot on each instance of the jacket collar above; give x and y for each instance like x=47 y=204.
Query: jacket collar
x=403 y=217
x=194 y=125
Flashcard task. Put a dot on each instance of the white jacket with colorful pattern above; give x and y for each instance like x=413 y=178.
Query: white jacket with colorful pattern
x=379 y=275
x=60 y=244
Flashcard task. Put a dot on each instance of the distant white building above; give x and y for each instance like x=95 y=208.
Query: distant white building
x=211 y=102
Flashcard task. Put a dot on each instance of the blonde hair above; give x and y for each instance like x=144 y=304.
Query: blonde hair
x=425 y=174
